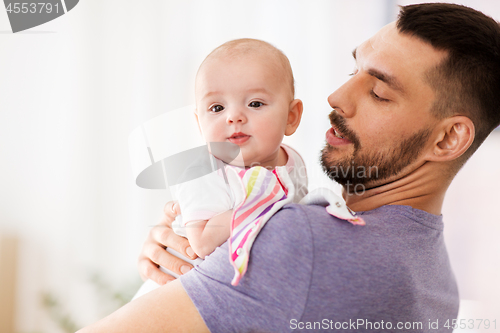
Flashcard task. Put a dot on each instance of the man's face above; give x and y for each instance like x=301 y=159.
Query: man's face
x=381 y=120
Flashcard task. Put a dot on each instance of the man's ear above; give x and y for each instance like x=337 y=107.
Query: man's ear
x=455 y=136
x=294 y=116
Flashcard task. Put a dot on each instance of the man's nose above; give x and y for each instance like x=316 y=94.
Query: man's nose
x=344 y=98
x=236 y=115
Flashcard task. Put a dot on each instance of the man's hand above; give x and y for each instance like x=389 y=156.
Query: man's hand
x=153 y=252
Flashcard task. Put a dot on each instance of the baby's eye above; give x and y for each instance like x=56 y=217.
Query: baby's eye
x=255 y=104
x=216 y=108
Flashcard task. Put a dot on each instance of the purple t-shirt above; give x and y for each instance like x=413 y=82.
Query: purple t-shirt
x=309 y=270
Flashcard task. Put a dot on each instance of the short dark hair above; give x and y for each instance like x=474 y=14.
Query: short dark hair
x=467 y=82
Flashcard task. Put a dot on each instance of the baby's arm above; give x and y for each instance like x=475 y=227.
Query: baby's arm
x=205 y=235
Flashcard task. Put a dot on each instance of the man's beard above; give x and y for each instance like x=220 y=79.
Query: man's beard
x=362 y=168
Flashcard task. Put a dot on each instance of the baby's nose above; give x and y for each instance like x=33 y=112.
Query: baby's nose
x=236 y=116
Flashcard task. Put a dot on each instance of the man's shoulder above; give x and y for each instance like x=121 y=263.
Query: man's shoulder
x=299 y=213
x=286 y=229
x=387 y=229
x=298 y=218
x=296 y=221
x=300 y=230
x=390 y=215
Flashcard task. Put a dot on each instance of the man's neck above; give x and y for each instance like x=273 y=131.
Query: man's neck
x=424 y=189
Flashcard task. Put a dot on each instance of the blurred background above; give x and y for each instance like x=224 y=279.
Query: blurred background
x=72 y=220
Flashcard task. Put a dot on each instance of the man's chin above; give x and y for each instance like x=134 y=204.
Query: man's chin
x=346 y=172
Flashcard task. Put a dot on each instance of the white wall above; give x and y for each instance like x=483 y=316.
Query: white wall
x=72 y=90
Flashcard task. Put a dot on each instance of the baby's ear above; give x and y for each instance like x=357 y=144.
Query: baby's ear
x=198 y=121
x=294 y=116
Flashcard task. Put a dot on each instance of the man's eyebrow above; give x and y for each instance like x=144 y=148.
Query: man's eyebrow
x=390 y=80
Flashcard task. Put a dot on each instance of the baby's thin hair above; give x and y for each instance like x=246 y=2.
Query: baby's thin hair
x=243 y=46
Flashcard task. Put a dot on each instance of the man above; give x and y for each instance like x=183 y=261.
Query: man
x=421 y=100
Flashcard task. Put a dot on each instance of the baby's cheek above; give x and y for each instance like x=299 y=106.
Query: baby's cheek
x=276 y=131
x=214 y=135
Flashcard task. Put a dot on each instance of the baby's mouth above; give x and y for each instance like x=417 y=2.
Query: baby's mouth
x=238 y=138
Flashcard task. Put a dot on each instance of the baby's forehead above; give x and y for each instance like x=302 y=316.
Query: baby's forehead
x=259 y=53
x=242 y=52
x=244 y=48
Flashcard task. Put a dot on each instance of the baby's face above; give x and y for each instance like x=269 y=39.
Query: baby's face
x=245 y=101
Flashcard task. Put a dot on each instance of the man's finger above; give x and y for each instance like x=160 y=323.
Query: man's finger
x=161 y=257
x=167 y=237
x=148 y=270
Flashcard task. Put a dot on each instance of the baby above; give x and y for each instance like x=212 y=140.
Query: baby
x=245 y=100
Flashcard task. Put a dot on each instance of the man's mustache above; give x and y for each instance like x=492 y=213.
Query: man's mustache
x=340 y=124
